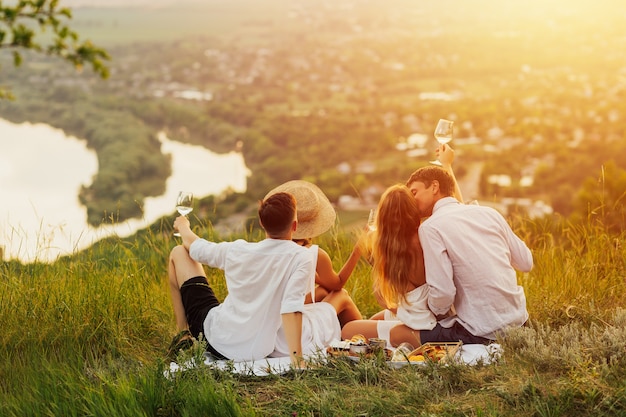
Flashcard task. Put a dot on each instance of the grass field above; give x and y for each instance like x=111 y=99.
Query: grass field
x=87 y=335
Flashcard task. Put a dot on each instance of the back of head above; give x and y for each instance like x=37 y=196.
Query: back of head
x=277 y=213
x=315 y=212
x=397 y=211
x=431 y=173
x=396 y=257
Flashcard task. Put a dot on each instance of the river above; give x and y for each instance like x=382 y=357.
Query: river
x=42 y=170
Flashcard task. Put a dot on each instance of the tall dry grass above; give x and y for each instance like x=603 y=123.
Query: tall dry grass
x=87 y=335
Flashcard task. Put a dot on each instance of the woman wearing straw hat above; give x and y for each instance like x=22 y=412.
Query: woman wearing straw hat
x=315 y=216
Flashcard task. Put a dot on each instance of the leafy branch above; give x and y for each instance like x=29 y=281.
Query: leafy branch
x=22 y=22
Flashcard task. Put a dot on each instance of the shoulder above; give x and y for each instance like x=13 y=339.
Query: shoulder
x=489 y=212
x=322 y=253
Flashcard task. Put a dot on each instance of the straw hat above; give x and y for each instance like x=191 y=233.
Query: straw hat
x=315 y=212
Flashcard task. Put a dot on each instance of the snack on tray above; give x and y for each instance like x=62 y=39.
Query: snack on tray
x=435 y=351
x=339 y=345
x=357 y=347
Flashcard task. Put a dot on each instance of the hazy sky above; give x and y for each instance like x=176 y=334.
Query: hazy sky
x=125 y=3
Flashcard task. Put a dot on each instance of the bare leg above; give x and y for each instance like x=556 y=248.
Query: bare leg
x=369 y=328
x=402 y=333
x=346 y=310
x=320 y=294
x=180 y=268
x=365 y=327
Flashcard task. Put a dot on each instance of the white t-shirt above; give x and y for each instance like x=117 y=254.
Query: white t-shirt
x=264 y=280
x=320 y=324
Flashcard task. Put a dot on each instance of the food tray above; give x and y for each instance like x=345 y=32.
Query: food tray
x=433 y=351
x=339 y=353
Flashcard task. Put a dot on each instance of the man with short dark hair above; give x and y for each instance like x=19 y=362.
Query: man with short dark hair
x=470 y=255
x=267 y=282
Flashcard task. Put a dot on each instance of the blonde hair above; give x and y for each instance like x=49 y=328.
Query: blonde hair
x=398 y=257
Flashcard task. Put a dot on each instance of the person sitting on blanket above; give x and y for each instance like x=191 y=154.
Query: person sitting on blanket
x=471 y=256
x=315 y=216
x=398 y=269
x=264 y=312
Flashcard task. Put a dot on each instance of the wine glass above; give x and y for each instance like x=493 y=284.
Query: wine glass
x=371 y=220
x=184 y=204
x=443 y=134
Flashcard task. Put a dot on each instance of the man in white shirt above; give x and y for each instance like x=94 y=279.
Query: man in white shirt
x=266 y=281
x=471 y=255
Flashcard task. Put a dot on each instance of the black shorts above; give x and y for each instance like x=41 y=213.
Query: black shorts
x=198 y=299
x=452 y=334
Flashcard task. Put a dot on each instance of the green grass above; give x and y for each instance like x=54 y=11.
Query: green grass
x=87 y=335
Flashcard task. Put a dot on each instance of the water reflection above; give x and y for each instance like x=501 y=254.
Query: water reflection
x=42 y=170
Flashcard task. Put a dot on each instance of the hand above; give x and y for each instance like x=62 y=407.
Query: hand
x=445 y=154
x=365 y=243
x=449 y=313
x=181 y=222
x=299 y=364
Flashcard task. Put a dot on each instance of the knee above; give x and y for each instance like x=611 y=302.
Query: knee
x=338 y=298
x=177 y=252
x=343 y=294
x=346 y=298
x=402 y=333
x=349 y=330
x=396 y=336
x=320 y=293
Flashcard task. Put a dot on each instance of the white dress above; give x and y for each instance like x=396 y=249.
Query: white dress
x=320 y=324
x=414 y=311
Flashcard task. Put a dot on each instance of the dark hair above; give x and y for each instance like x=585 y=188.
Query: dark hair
x=277 y=213
x=303 y=241
x=431 y=173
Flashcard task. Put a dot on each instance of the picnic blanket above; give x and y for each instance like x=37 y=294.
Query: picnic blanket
x=467 y=354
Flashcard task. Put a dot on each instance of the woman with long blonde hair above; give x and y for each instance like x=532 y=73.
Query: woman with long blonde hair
x=398 y=268
x=397 y=254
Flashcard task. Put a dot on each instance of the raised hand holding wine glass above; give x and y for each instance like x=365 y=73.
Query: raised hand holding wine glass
x=184 y=204
x=443 y=134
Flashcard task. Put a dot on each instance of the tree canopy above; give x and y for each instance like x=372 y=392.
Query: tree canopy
x=41 y=26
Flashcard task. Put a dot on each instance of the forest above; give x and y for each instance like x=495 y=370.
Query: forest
x=329 y=93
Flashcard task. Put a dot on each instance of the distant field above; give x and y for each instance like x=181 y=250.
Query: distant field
x=352 y=219
x=114 y=26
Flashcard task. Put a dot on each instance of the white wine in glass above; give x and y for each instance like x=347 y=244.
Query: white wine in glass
x=184 y=204
x=371 y=220
x=443 y=134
